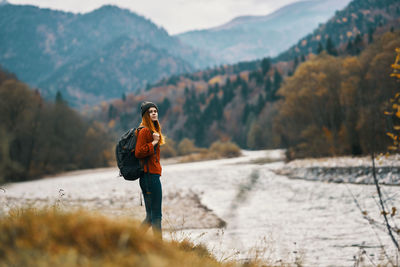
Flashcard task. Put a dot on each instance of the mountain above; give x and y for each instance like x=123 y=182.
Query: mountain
x=349 y=27
x=57 y=50
x=253 y=37
x=125 y=61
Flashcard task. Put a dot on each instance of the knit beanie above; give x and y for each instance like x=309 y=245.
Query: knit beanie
x=146 y=105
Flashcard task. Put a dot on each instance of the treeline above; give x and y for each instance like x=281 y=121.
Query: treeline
x=209 y=73
x=335 y=105
x=38 y=137
x=220 y=109
x=328 y=105
x=226 y=110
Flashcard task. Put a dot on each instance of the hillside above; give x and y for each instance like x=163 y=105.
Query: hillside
x=38 y=45
x=355 y=24
x=253 y=37
x=122 y=66
x=246 y=106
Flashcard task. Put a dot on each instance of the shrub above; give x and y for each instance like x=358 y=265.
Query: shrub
x=226 y=149
x=186 y=147
x=216 y=151
x=168 y=150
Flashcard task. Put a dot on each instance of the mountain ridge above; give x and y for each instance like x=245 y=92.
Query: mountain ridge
x=118 y=53
x=346 y=25
x=252 y=37
x=281 y=11
x=38 y=42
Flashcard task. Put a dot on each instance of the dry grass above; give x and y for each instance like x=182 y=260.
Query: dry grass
x=217 y=150
x=262 y=161
x=49 y=237
x=199 y=157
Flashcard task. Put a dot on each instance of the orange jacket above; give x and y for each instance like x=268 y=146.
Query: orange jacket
x=145 y=150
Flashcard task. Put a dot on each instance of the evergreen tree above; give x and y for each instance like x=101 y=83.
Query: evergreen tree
x=295 y=63
x=277 y=80
x=350 y=48
x=246 y=112
x=265 y=65
x=216 y=88
x=370 y=35
x=275 y=87
x=59 y=98
x=268 y=86
x=112 y=112
x=214 y=111
x=259 y=78
x=202 y=98
x=164 y=106
x=260 y=103
x=244 y=90
x=238 y=81
x=358 y=44
x=190 y=102
x=330 y=47
x=228 y=95
x=320 y=48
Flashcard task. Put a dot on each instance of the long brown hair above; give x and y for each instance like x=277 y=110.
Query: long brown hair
x=154 y=126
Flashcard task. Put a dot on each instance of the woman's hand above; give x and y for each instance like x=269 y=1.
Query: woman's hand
x=156 y=138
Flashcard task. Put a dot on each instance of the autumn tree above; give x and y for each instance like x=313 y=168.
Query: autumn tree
x=334 y=105
x=39 y=137
x=19 y=109
x=375 y=88
x=310 y=115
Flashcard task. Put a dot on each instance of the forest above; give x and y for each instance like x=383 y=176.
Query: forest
x=336 y=105
x=40 y=137
x=326 y=105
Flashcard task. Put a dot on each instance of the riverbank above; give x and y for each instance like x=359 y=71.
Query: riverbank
x=262 y=214
x=104 y=191
x=354 y=170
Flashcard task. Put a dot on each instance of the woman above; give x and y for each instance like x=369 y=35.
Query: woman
x=148 y=144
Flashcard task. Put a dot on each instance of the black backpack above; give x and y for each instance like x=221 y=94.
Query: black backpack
x=129 y=165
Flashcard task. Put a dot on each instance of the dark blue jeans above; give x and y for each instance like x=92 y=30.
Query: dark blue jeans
x=152 y=194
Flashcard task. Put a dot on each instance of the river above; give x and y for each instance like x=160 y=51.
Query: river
x=267 y=216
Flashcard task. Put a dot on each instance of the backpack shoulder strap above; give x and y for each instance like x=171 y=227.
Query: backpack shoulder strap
x=138 y=129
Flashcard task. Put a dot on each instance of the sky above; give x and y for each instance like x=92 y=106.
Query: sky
x=175 y=16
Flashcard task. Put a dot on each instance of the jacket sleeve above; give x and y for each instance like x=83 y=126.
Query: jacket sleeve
x=144 y=147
